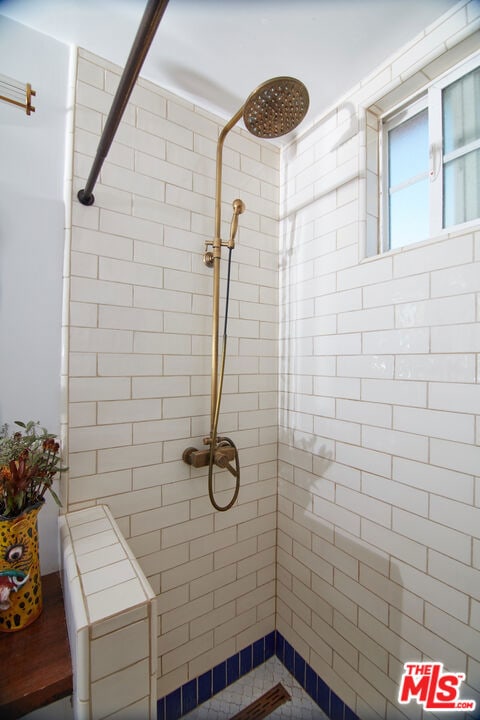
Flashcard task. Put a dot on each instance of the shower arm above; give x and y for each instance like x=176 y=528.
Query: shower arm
x=273 y=109
x=222 y=451
x=216 y=257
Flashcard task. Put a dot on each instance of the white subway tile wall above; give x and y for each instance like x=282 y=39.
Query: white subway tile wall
x=139 y=371
x=379 y=459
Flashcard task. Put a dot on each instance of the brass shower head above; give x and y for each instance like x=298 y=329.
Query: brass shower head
x=276 y=107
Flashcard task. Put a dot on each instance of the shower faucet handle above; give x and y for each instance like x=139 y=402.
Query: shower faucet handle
x=208 y=258
x=222 y=459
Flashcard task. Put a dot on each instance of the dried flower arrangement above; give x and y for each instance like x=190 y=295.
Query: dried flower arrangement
x=29 y=461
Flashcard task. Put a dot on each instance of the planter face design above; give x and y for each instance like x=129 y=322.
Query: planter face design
x=20 y=584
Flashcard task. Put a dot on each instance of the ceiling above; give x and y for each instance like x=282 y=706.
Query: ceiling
x=215 y=52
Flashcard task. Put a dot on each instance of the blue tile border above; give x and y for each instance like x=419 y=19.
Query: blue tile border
x=195 y=692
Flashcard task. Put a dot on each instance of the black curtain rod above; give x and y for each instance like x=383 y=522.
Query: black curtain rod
x=146 y=32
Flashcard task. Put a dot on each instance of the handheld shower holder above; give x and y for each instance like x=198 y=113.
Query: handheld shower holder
x=210 y=255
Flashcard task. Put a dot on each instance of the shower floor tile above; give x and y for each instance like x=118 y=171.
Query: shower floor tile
x=250 y=687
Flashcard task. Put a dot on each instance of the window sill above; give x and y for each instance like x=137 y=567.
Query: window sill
x=472 y=226
x=36 y=663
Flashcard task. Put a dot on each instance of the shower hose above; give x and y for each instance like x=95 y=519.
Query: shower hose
x=223 y=441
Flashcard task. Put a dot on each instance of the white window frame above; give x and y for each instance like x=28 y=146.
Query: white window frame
x=430 y=98
x=392 y=121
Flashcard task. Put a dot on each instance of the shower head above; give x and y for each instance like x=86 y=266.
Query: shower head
x=276 y=107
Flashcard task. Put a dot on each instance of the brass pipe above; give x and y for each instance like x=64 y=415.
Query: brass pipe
x=216 y=257
x=273 y=109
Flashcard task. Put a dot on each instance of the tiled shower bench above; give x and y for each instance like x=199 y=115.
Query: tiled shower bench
x=111 y=618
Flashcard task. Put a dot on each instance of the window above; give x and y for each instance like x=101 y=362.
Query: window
x=431 y=160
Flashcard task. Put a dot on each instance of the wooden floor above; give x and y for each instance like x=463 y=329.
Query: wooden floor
x=35 y=663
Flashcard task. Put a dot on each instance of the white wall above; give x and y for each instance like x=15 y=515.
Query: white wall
x=32 y=241
x=379 y=495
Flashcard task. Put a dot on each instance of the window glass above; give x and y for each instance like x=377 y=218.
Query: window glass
x=409 y=214
x=461 y=197
x=461 y=136
x=461 y=114
x=408 y=149
x=408 y=181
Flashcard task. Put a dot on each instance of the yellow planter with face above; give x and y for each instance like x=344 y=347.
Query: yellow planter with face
x=20 y=582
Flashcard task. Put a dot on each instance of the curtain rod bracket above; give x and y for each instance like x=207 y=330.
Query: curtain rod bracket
x=84 y=198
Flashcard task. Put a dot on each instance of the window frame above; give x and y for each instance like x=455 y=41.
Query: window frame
x=390 y=122
x=430 y=98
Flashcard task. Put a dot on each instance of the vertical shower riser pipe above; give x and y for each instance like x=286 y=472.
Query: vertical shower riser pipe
x=217 y=254
x=145 y=34
x=273 y=109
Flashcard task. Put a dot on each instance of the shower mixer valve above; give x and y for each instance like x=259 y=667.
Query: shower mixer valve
x=223 y=455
